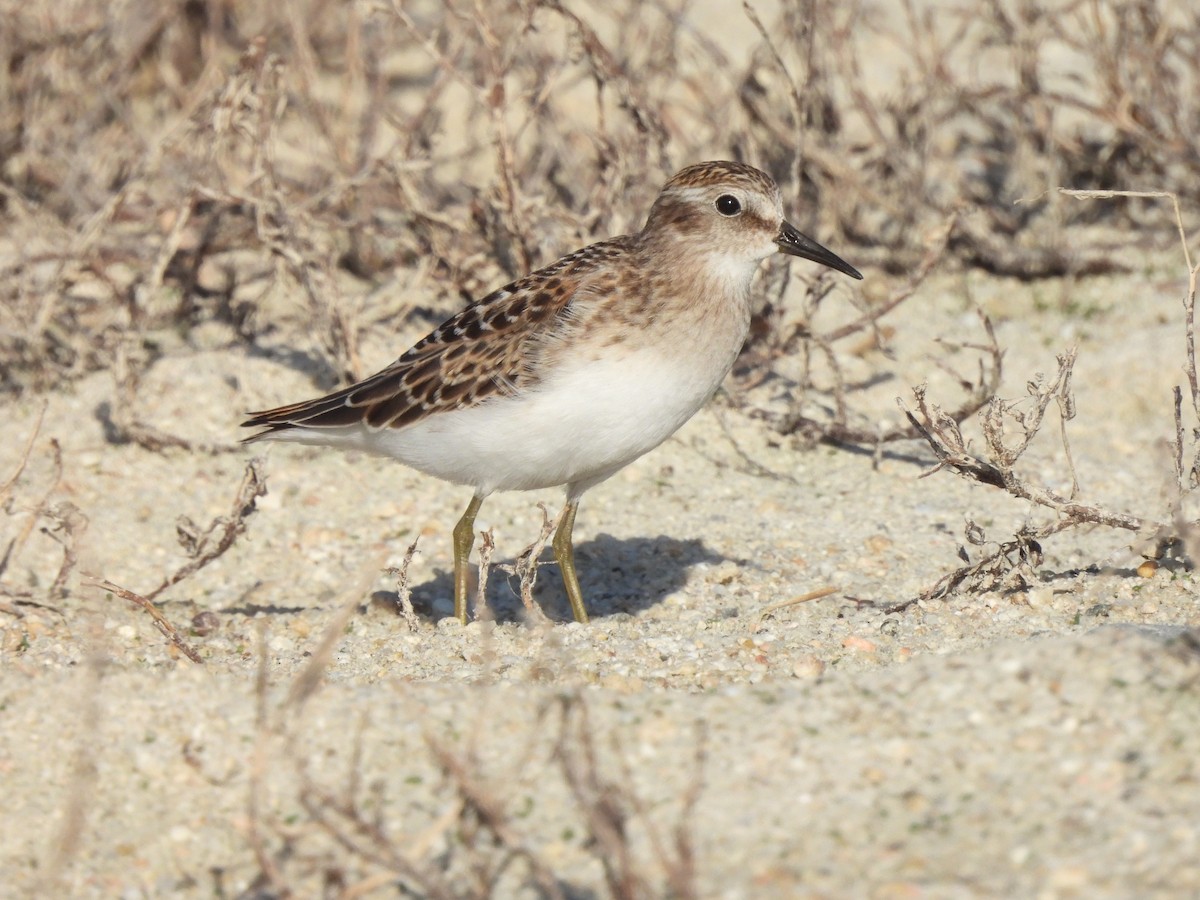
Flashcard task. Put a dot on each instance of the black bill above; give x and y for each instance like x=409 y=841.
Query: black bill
x=793 y=243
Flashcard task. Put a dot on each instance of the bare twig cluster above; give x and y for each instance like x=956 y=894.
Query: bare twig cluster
x=479 y=841
x=61 y=522
x=203 y=546
x=821 y=409
x=161 y=622
x=168 y=165
x=525 y=567
x=403 y=591
x=1008 y=429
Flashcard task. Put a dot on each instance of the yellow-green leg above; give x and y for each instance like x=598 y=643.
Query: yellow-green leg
x=464 y=538
x=564 y=552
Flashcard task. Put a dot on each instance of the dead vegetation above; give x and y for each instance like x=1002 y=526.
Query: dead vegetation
x=1009 y=427
x=479 y=842
x=303 y=174
x=170 y=164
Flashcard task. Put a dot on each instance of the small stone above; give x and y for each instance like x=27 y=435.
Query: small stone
x=1147 y=568
x=725 y=573
x=861 y=644
x=1039 y=598
x=808 y=667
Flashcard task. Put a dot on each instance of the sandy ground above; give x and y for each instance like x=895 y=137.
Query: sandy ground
x=1043 y=742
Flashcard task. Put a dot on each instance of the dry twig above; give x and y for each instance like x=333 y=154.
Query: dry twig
x=1009 y=428
x=525 y=567
x=403 y=591
x=161 y=622
x=210 y=544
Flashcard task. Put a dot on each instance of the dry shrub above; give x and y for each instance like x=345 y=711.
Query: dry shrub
x=1010 y=427
x=165 y=164
x=305 y=173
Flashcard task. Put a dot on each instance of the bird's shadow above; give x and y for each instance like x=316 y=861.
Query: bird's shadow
x=616 y=576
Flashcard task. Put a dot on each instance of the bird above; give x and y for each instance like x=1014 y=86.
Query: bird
x=566 y=375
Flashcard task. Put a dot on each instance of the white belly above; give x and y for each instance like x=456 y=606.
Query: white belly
x=577 y=427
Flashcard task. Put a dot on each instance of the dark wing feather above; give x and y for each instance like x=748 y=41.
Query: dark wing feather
x=480 y=352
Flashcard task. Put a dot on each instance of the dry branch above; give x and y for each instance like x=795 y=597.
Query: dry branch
x=525 y=567
x=403 y=591
x=210 y=544
x=840 y=428
x=998 y=470
x=1009 y=428
x=161 y=622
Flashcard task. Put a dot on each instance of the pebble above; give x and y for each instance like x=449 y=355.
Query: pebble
x=808 y=667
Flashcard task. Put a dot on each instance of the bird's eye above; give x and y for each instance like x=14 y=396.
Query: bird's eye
x=728 y=205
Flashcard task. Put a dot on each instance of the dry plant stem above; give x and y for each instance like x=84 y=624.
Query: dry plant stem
x=1189 y=302
x=794 y=95
x=69 y=524
x=286 y=227
x=1020 y=556
x=492 y=815
x=487 y=546
x=942 y=434
x=752 y=466
x=6 y=489
x=1192 y=481
x=341 y=817
x=935 y=253
x=607 y=70
x=255 y=801
x=840 y=430
x=526 y=565
x=681 y=872
x=362 y=837
x=161 y=622
x=518 y=228
x=37 y=511
x=222 y=532
x=81 y=787
x=601 y=802
x=982 y=391
x=403 y=591
x=796 y=601
x=1177 y=445
x=306 y=683
x=677 y=861
x=170 y=244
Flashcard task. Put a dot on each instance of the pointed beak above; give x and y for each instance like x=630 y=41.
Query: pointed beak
x=793 y=243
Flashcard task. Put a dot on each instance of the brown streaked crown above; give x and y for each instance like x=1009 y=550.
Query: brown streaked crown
x=722 y=171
